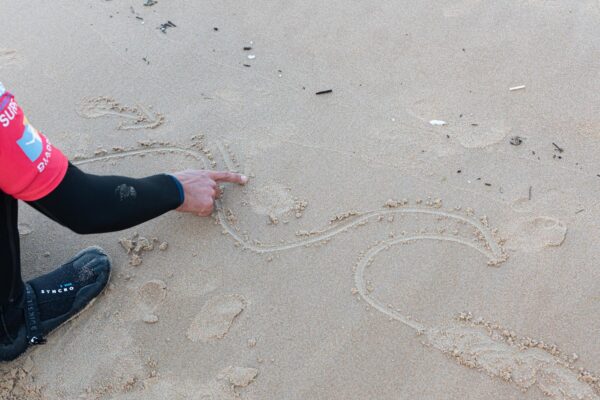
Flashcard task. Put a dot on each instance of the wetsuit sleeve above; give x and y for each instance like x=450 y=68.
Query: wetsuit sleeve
x=87 y=203
x=30 y=166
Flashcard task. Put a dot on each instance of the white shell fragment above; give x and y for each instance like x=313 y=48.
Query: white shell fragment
x=437 y=122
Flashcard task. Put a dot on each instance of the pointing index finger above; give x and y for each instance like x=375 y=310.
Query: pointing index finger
x=232 y=177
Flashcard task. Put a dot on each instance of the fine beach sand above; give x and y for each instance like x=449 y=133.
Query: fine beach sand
x=372 y=255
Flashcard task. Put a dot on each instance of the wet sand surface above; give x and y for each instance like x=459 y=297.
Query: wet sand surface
x=422 y=231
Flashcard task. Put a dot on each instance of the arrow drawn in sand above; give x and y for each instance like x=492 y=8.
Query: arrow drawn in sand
x=136 y=117
x=475 y=343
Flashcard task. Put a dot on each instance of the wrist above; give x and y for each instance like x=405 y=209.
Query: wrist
x=179 y=188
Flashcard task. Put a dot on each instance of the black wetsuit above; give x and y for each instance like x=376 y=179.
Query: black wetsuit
x=84 y=203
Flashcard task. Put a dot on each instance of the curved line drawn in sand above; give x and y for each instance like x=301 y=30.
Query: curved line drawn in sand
x=490 y=348
x=491 y=248
x=131 y=117
x=215 y=318
x=524 y=362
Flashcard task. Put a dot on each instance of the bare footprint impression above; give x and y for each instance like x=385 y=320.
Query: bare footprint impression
x=536 y=233
x=276 y=201
x=470 y=132
x=225 y=385
x=216 y=317
x=149 y=297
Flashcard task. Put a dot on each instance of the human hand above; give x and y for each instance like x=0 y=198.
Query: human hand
x=200 y=189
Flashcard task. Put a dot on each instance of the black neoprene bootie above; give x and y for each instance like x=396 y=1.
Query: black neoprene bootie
x=51 y=300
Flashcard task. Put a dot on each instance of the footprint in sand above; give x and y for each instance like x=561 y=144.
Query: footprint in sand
x=481 y=136
x=522 y=205
x=522 y=361
x=536 y=233
x=149 y=296
x=215 y=318
x=225 y=386
x=275 y=200
x=272 y=199
x=237 y=376
x=471 y=133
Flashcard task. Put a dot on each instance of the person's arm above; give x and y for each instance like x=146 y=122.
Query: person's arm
x=33 y=170
x=87 y=203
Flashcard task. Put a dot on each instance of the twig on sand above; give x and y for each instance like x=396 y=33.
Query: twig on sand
x=560 y=149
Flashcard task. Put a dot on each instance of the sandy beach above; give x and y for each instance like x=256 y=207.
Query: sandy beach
x=426 y=230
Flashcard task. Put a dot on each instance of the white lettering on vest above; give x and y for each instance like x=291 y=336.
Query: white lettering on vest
x=9 y=113
x=46 y=159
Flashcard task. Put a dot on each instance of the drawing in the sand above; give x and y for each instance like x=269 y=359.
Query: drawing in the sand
x=130 y=117
x=475 y=343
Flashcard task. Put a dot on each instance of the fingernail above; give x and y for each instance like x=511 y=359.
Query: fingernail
x=244 y=179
